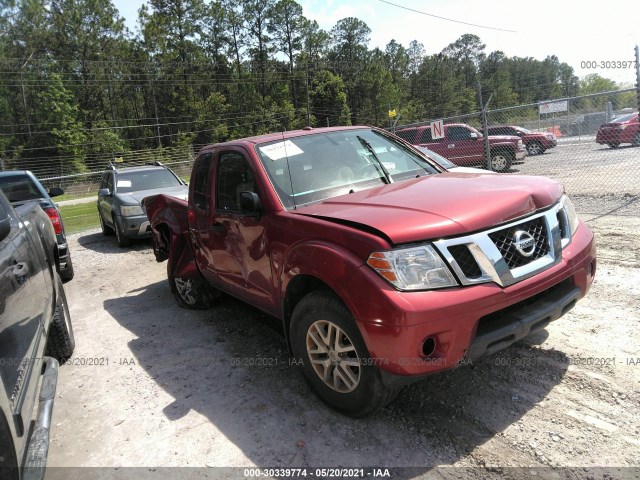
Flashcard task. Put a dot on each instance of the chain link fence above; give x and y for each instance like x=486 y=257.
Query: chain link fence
x=78 y=205
x=588 y=143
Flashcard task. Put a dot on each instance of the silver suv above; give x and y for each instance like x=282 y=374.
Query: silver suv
x=121 y=193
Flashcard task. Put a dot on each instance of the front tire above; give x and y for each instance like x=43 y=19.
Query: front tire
x=613 y=145
x=334 y=358
x=501 y=161
x=107 y=231
x=60 y=339
x=123 y=241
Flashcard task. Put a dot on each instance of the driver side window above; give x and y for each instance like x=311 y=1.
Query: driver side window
x=458 y=133
x=234 y=176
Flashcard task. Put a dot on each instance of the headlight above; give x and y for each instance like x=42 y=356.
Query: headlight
x=131 y=210
x=416 y=268
x=570 y=211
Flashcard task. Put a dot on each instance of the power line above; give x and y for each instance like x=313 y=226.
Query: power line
x=447 y=19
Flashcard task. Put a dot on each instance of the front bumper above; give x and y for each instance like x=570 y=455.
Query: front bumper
x=135 y=227
x=464 y=322
x=520 y=154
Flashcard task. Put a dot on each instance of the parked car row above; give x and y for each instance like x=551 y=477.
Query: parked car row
x=463 y=145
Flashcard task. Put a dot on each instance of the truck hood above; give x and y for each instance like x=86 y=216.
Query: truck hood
x=181 y=192
x=437 y=206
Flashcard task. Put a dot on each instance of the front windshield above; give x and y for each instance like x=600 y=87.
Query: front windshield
x=127 y=182
x=315 y=167
x=624 y=118
x=523 y=130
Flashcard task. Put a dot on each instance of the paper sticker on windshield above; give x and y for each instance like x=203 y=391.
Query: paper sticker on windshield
x=279 y=150
x=123 y=184
x=389 y=165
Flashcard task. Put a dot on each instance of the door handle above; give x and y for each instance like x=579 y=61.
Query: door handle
x=20 y=271
x=218 y=228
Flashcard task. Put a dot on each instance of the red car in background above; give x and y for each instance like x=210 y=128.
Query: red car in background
x=535 y=142
x=623 y=129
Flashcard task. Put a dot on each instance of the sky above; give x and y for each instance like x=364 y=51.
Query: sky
x=574 y=31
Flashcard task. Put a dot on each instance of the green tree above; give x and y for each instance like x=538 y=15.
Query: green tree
x=397 y=61
x=257 y=15
x=349 y=53
x=60 y=111
x=286 y=26
x=329 y=100
x=468 y=53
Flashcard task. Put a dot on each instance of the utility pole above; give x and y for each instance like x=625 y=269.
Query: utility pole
x=638 y=74
x=485 y=126
x=307 y=89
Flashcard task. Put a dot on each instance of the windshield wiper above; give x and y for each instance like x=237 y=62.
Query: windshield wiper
x=386 y=177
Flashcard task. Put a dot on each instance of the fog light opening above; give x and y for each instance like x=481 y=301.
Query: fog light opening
x=428 y=347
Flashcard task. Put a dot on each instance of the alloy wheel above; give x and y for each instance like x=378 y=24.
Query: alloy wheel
x=333 y=356
x=186 y=291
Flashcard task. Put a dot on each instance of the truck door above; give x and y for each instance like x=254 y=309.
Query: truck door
x=240 y=251
x=201 y=218
x=21 y=331
x=462 y=147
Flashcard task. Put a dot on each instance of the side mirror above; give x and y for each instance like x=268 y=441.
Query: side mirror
x=55 y=192
x=473 y=135
x=104 y=192
x=5 y=223
x=250 y=204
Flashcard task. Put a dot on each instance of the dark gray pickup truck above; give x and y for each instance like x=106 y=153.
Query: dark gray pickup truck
x=35 y=334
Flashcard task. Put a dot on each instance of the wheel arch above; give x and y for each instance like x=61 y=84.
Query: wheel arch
x=310 y=267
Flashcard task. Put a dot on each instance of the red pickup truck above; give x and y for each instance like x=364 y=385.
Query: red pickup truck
x=463 y=145
x=382 y=266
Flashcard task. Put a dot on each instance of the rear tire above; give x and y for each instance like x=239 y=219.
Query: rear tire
x=334 y=359
x=60 y=339
x=193 y=293
x=67 y=274
x=613 y=145
x=534 y=148
x=636 y=140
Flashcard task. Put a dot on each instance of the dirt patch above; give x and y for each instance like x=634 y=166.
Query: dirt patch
x=171 y=387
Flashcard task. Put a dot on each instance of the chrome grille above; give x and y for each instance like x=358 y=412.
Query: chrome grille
x=504 y=240
x=492 y=256
x=466 y=262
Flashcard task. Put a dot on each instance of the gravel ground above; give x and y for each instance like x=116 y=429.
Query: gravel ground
x=153 y=385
